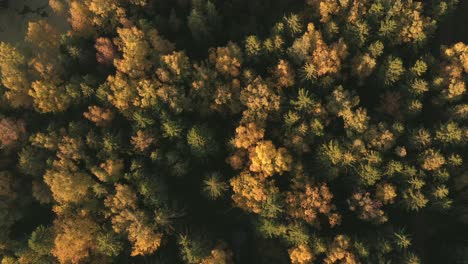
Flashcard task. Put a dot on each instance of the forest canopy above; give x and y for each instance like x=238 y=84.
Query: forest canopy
x=234 y=131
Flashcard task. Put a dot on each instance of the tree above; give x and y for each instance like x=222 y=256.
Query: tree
x=392 y=70
x=432 y=160
x=284 y=74
x=13 y=69
x=127 y=218
x=81 y=19
x=227 y=60
x=214 y=187
x=45 y=40
x=250 y=193
x=142 y=140
x=203 y=20
x=201 y=142
x=260 y=101
x=49 y=97
x=307 y=202
x=42 y=240
x=339 y=251
x=248 y=135
x=98 y=115
x=220 y=254
x=105 y=51
x=136 y=51
x=267 y=160
x=12 y=132
x=367 y=208
x=75 y=239
x=301 y=254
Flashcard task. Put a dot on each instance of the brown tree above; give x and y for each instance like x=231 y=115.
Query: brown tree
x=105 y=51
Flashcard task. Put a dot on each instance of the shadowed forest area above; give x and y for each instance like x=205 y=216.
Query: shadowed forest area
x=233 y=131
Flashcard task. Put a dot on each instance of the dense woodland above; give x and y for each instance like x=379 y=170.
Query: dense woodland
x=235 y=131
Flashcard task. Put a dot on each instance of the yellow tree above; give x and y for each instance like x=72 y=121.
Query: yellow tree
x=49 y=97
x=136 y=51
x=227 y=60
x=267 y=160
x=260 y=101
x=340 y=251
x=301 y=254
x=284 y=74
x=250 y=193
x=248 y=135
x=75 y=239
x=127 y=218
x=45 y=40
x=13 y=70
x=68 y=186
x=81 y=19
x=100 y=116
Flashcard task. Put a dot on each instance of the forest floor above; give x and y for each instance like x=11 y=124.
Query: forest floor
x=14 y=19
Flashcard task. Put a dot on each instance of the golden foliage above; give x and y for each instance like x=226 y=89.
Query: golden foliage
x=322 y=58
x=386 y=193
x=80 y=18
x=260 y=100
x=284 y=74
x=379 y=137
x=413 y=22
x=136 y=50
x=173 y=97
x=49 y=97
x=100 y=116
x=432 y=160
x=227 y=60
x=123 y=94
x=226 y=98
x=102 y=8
x=148 y=93
x=248 y=135
x=45 y=40
x=68 y=186
x=339 y=252
x=57 y=6
x=129 y=219
x=268 y=160
x=177 y=62
x=113 y=167
x=49 y=142
x=43 y=35
x=13 y=69
x=145 y=241
x=456 y=64
x=219 y=255
x=310 y=200
x=327 y=59
x=301 y=254
x=75 y=239
x=142 y=140
x=70 y=148
x=251 y=193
